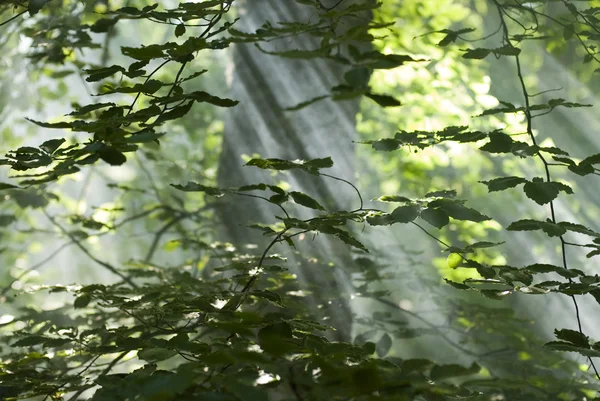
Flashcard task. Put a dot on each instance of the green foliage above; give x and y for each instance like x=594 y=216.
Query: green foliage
x=219 y=321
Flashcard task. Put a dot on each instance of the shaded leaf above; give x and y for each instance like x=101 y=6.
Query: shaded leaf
x=384 y=345
x=405 y=214
x=305 y=200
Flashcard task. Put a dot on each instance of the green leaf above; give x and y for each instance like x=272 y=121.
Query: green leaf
x=570 y=347
x=276 y=339
x=384 y=345
x=507 y=50
x=386 y=145
x=6 y=220
x=112 y=156
x=499 y=143
x=546 y=268
x=405 y=214
x=103 y=25
x=502 y=183
x=82 y=301
x=180 y=30
x=541 y=192
x=445 y=193
x=98 y=74
x=553 y=230
x=380 y=219
x=477 y=54
x=4 y=186
x=573 y=337
x=305 y=200
x=30 y=341
x=51 y=145
x=35 y=6
x=195 y=187
x=383 y=100
x=457 y=210
x=307 y=103
x=156 y=354
x=442 y=372
x=358 y=77
x=310 y=166
x=143 y=53
x=393 y=198
x=578 y=228
x=376 y=60
x=436 y=217
x=242 y=392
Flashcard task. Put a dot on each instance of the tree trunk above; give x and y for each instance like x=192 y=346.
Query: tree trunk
x=265 y=85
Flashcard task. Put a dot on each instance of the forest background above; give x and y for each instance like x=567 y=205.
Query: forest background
x=299 y=200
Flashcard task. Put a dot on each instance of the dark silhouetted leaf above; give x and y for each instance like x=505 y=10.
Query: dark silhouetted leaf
x=502 y=183
x=405 y=214
x=305 y=200
x=436 y=217
x=384 y=345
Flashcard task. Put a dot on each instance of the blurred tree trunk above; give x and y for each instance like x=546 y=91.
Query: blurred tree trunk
x=265 y=85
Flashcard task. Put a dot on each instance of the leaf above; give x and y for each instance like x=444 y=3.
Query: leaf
x=180 y=30
x=383 y=100
x=457 y=285
x=445 y=193
x=362 y=338
x=103 y=25
x=156 y=354
x=112 y=156
x=386 y=145
x=457 y=210
x=276 y=339
x=499 y=143
x=35 y=6
x=358 y=77
x=305 y=200
x=4 y=186
x=143 y=53
x=101 y=73
x=573 y=337
x=436 y=217
x=307 y=103
x=6 y=220
x=507 y=50
x=310 y=166
x=82 y=301
x=51 y=145
x=195 y=187
x=578 y=228
x=502 y=183
x=541 y=192
x=441 y=372
x=569 y=347
x=405 y=214
x=376 y=60
x=380 y=219
x=392 y=198
x=30 y=341
x=553 y=230
x=384 y=345
x=450 y=38
x=546 y=268
x=477 y=54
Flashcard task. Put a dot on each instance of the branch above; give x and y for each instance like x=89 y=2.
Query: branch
x=106 y=265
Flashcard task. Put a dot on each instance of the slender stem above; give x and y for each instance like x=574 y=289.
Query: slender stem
x=106 y=265
x=529 y=118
